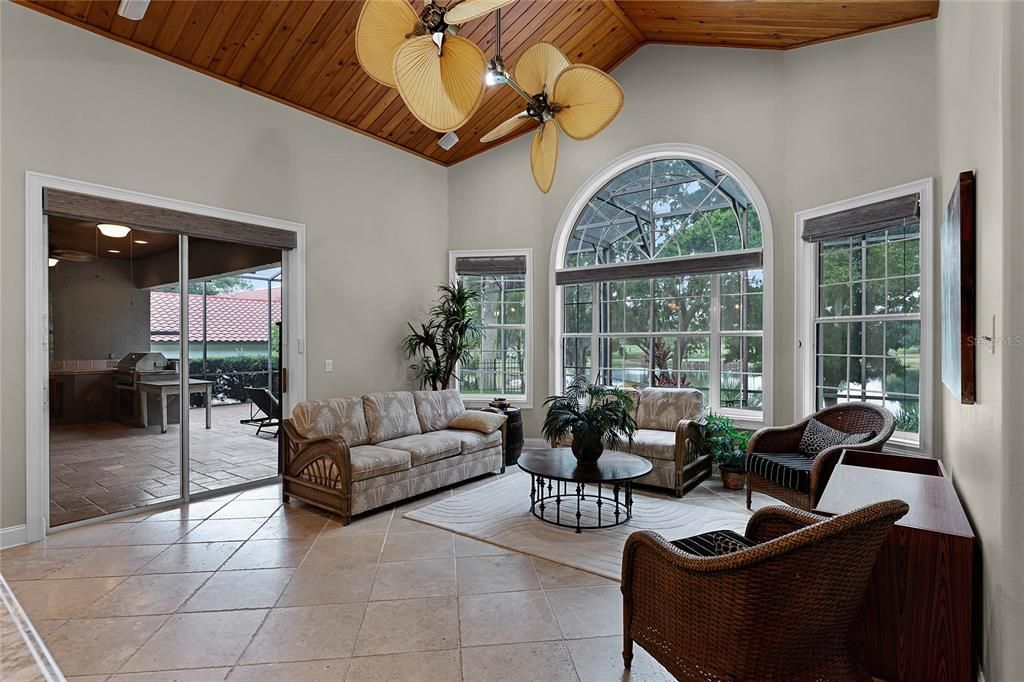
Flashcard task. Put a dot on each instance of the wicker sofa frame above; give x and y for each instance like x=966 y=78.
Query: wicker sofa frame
x=848 y=417
x=780 y=610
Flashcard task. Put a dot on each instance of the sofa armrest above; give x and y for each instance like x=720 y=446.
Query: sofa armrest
x=504 y=432
x=324 y=460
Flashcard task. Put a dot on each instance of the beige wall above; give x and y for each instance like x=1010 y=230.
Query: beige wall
x=81 y=106
x=810 y=126
x=981 y=121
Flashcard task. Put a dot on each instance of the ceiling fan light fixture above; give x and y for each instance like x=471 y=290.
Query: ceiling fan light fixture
x=496 y=72
x=113 y=231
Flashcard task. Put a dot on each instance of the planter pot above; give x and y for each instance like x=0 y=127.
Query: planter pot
x=733 y=480
x=587 y=450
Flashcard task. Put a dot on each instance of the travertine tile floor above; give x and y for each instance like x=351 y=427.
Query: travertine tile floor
x=242 y=588
x=96 y=469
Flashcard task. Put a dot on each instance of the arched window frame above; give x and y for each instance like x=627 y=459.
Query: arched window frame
x=579 y=202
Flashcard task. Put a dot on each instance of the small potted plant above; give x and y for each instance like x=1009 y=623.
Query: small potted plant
x=727 y=446
x=593 y=415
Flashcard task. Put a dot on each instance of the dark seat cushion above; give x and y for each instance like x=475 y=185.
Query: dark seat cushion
x=715 y=543
x=791 y=470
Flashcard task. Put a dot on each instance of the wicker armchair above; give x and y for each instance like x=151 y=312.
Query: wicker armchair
x=797 y=479
x=779 y=608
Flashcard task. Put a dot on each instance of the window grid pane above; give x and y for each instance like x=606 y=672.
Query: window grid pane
x=868 y=329
x=497 y=367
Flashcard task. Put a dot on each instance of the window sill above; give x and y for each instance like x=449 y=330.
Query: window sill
x=743 y=419
x=472 y=402
x=903 y=446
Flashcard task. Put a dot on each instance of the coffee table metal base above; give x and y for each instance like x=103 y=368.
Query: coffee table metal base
x=563 y=503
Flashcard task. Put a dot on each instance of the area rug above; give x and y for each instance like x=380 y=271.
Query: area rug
x=499 y=513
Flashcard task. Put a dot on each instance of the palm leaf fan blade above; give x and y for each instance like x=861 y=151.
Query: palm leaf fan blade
x=380 y=32
x=538 y=68
x=544 y=155
x=442 y=91
x=468 y=10
x=589 y=100
x=503 y=129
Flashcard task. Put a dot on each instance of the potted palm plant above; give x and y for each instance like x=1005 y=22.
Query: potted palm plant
x=593 y=416
x=452 y=331
x=727 y=446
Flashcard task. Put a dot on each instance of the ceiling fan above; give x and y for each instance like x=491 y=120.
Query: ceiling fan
x=580 y=99
x=439 y=75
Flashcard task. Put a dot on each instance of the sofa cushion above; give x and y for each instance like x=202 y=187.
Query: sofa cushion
x=791 y=470
x=653 y=444
x=426 y=447
x=390 y=415
x=435 y=409
x=338 y=416
x=474 y=441
x=477 y=420
x=817 y=437
x=663 y=408
x=370 y=461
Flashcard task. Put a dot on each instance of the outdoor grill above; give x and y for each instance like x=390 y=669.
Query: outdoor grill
x=133 y=367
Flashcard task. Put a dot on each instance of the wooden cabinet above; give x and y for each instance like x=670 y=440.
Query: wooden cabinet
x=916 y=619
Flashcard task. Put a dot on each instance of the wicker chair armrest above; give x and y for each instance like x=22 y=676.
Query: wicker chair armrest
x=769 y=523
x=691 y=430
x=300 y=453
x=777 y=438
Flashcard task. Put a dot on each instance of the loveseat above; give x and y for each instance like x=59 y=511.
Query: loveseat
x=351 y=455
x=669 y=435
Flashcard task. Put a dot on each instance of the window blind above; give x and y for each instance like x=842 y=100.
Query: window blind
x=490 y=265
x=855 y=221
x=666 y=267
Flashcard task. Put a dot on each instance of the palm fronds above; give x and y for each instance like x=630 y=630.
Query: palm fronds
x=590 y=412
x=452 y=331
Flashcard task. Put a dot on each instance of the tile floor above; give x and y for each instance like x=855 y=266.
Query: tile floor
x=96 y=469
x=241 y=588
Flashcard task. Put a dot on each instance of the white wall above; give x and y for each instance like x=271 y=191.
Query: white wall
x=81 y=106
x=810 y=126
x=981 y=123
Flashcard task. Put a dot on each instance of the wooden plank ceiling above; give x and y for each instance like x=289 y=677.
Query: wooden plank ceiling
x=302 y=52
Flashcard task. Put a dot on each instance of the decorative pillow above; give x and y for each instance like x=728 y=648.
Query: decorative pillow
x=475 y=420
x=436 y=409
x=341 y=416
x=390 y=415
x=662 y=408
x=818 y=437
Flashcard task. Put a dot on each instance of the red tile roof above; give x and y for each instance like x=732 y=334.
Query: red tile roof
x=240 y=317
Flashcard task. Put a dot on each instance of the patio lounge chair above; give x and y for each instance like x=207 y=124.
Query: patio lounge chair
x=268 y=410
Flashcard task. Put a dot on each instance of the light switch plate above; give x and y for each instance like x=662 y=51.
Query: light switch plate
x=328 y=366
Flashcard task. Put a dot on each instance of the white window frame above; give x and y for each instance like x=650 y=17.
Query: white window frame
x=806 y=304
x=524 y=401
x=743 y=418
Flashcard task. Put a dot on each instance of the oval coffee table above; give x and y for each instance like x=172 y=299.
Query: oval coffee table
x=558 y=487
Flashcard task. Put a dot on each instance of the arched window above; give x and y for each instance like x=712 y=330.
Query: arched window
x=660 y=279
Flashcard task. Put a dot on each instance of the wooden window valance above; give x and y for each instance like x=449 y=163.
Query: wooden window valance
x=66 y=204
x=666 y=267
x=490 y=265
x=860 y=220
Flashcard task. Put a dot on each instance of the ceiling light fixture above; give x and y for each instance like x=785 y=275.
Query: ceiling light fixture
x=448 y=140
x=113 y=251
x=53 y=262
x=141 y=241
x=133 y=9
x=114 y=231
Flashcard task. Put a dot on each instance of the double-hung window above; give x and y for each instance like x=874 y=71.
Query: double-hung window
x=500 y=367
x=662 y=284
x=865 y=303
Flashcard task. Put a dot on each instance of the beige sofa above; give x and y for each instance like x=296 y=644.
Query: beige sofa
x=669 y=422
x=351 y=455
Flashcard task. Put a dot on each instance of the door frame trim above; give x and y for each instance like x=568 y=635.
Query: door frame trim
x=37 y=431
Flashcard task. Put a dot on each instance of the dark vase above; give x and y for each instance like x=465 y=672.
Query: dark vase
x=587 y=449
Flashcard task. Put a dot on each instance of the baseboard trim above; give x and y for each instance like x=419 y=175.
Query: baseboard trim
x=13 y=536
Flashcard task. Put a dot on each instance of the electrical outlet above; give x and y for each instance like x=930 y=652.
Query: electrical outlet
x=328 y=366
